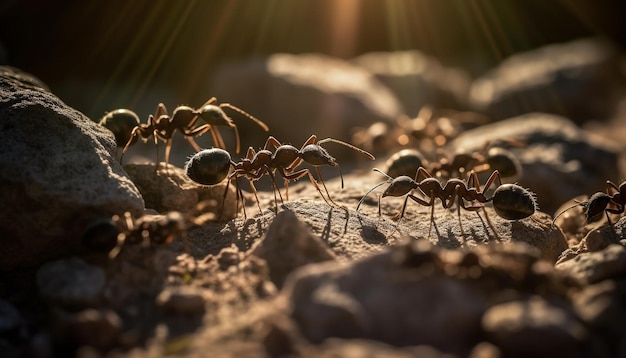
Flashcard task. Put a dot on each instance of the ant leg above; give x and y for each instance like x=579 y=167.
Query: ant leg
x=272 y=141
x=424 y=172
x=168 y=148
x=237 y=143
x=253 y=188
x=319 y=175
x=219 y=138
x=133 y=134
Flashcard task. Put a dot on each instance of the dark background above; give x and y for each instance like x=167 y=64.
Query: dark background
x=108 y=54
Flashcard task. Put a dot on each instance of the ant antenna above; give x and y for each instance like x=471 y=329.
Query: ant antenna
x=366 y=153
x=374 y=188
x=578 y=203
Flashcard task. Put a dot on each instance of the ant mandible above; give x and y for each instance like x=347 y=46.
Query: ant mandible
x=162 y=127
x=613 y=201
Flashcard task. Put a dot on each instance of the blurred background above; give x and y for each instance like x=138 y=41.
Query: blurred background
x=98 y=56
x=124 y=48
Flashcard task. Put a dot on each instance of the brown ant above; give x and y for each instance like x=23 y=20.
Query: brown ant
x=407 y=161
x=161 y=126
x=274 y=157
x=510 y=201
x=613 y=201
x=112 y=234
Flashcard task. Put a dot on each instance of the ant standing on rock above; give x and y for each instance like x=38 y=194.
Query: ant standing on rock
x=510 y=201
x=613 y=201
x=162 y=127
x=284 y=159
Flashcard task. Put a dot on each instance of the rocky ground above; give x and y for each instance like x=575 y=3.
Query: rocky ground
x=302 y=277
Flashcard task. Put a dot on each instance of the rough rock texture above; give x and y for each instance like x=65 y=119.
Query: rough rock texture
x=581 y=80
x=559 y=160
x=323 y=95
x=57 y=172
x=418 y=80
x=411 y=293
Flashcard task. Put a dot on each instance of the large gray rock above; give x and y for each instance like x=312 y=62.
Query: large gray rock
x=581 y=79
x=57 y=173
x=319 y=94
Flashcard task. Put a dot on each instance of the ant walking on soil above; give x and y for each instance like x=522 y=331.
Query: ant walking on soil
x=274 y=157
x=510 y=201
x=112 y=234
x=161 y=126
x=612 y=201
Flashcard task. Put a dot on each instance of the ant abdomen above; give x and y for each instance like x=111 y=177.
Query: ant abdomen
x=121 y=122
x=512 y=202
x=405 y=162
x=209 y=166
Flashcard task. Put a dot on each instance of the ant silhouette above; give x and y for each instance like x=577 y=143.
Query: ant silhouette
x=211 y=166
x=161 y=126
x=612 y=201
x=510 y=201
x=112 y=234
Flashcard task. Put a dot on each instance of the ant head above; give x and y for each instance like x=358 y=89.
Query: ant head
x=208 y=166
x=400 y=186
x=512 y=202
x=214 y=115
x=316 y=155
x=121 y=122
x=405 y=162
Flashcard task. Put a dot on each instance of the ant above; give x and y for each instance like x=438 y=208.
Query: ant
x=274 y=157
x=407 y=161
x=112 y=234
x=162 y=126
x=510 y=202
x=613 y=201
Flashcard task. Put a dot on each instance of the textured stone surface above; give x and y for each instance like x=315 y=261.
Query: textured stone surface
x=581 y=79
x=57 y=172
x=417 y=293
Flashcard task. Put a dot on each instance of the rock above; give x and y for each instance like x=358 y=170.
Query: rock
x=599 y=305
x=289 y=244
x=10 y=318
x=171 y=190
x=559 y=160
x=361 y=301
x=326 y=96
x=581 y=80
x=181 y=300
x=592 y=267
x=534 y=327
x=71 y=283
x=57 y=172
x=418 y=80
x=416 y=293
x=99 y=329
